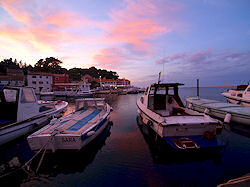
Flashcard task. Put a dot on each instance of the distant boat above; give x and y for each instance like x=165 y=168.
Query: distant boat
x=22 y=113
x=75 y=130
x=132 y=91
x=82 y=91
x=46 y=93
x=239 y=96
x=161 y=109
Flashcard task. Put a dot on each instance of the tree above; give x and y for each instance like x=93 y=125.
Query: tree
x=51 y=65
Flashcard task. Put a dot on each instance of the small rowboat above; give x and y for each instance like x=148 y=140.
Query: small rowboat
x=75 y=130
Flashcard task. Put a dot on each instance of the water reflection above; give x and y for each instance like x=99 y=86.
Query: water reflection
x=238 y=129
x=63 y=162
x=163 y=153
x=53 y=164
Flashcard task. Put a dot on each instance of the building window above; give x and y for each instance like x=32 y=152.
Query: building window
x=33 y=76
x=47 y=82
x=47 y=77
x=40 y=82
x=40 y=76
x=33 y=82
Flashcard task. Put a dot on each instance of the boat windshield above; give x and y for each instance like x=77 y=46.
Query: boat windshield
x=28 y=96
x=161 y=91
x=8 y=105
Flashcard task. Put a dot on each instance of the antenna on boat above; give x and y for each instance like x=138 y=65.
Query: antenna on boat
x=159 y=79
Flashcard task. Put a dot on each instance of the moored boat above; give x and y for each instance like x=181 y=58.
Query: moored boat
x=22 y=113
x=227 y=111
x=82 y=91
x=161 y=109
x=241 y=95
x=75 y=130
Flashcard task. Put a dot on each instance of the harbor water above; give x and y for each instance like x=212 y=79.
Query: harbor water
x=128 y=154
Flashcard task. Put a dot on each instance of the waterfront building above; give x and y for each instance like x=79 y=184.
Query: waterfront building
x=60 y=81
x=113 y=83
x=40 y=81
x=13 y=77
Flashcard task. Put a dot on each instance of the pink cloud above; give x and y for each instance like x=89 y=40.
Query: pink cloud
x=65 y=19
x=136 y=25
x=208 y=60
x=200 y=56
x=110 y=58
x=21 y=10
x=172 y=58
x=133 y=27
x=38 y=38
x=37 y=33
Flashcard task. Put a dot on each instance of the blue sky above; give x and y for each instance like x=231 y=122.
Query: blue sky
x=209 y=39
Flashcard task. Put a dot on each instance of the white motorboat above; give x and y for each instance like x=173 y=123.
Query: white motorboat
x=46 y=93
x=22 y=113
x=239 y=96
x=75 y=130
x=83 y=90
x=161 y=109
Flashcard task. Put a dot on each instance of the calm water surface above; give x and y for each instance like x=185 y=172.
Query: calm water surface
x=127 y=154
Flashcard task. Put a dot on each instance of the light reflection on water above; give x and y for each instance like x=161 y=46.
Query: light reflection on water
x=129 y=155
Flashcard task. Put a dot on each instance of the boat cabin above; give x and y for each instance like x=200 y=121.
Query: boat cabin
x=20 y=103
x=163 y=98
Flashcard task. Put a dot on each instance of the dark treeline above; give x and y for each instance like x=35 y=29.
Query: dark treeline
x=53 y=65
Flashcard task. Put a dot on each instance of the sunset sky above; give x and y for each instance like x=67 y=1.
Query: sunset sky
x=188 y=39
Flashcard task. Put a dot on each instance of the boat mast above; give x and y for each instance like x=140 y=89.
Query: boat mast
x=159 y=79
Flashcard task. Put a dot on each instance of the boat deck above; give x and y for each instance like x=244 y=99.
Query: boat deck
x=78 y=122
x=195 y=119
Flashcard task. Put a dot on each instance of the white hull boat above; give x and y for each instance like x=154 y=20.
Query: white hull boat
x=75 y=130
x=182 y=128
x=239 y=96
x=46 y=93
x=22 y=113
x=227 y=111
x=82 y=91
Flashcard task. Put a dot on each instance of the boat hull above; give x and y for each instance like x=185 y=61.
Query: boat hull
x=187 y=133
x=16 y=130
x=236 y=100
x=65 y=141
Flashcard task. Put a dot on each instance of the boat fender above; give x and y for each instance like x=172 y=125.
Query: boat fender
x=90 y=133
x=206 y=111
x=227 y=118
x=190 y=105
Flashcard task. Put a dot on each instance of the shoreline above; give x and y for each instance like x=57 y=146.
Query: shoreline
x=209 y=87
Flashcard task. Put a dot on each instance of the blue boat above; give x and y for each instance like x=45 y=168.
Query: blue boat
x=75 y=130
